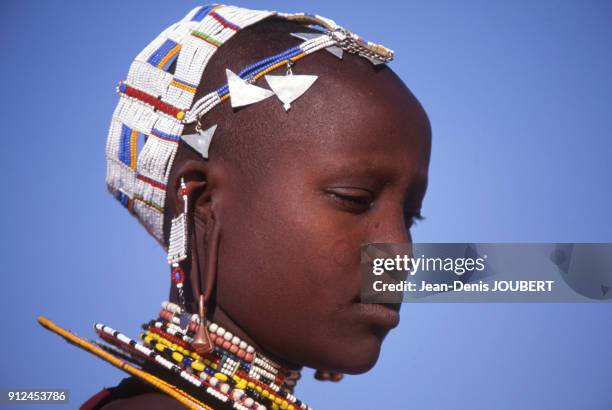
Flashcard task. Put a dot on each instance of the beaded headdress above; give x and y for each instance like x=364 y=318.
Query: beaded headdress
x=156 y=102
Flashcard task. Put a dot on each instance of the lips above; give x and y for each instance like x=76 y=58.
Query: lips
x=384 y=315
x=381 y=315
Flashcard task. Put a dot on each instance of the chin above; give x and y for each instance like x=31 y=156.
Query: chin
x=355 y=356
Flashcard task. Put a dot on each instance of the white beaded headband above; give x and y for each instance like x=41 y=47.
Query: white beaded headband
x=155 y=104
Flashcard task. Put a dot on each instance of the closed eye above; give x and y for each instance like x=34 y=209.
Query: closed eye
x=354 y=200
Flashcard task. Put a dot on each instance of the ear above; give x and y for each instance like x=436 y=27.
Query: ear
x=197 y=176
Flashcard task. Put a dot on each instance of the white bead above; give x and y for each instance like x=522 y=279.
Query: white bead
x=228 y=336
x=242 y=344
x=237 y=394
x=213 y=327
x=225 y=387
x=250 y=349
x=220 y=331
x=235 y=340
x=249 y=401
x=213 y=381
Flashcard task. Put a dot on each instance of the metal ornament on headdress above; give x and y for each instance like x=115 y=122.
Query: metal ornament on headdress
x=242 y=93
x=200 y=141
x=289 y=87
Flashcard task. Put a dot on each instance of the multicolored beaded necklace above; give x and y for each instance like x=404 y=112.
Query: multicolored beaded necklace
x=234 y=372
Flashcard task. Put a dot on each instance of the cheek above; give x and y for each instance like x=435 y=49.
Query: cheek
x=286 y=258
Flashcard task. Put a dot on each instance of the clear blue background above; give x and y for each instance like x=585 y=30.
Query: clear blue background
x=520 y=98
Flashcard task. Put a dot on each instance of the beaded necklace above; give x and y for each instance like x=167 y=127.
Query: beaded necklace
x=234 y=372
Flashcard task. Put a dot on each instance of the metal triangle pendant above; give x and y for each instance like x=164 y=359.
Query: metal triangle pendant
x=242 y=93
x=375 y=60
x=200 y=141
x=335 y=50
x=290 y=87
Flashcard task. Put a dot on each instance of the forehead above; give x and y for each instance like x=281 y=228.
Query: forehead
x=364 y=119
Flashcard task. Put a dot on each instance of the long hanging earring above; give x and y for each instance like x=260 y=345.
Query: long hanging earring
x=177 y=246
x=202 y=342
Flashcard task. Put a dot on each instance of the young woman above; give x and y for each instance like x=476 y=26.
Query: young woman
x=295 y=145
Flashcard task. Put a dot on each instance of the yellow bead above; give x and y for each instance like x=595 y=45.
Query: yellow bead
x=198 y=366
x=180 y=115
x=251 y=384
x=275 y=406
x=278 y=400
x=291 y=407
x=160 y=347
x=221 y=377
x=258 y=388
x=177 y=356
x=265 y=393
x=284 y=405
x=241 y=385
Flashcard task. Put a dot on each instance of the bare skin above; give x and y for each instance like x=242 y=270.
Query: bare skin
x=296 y=193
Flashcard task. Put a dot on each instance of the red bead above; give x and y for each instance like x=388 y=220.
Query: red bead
x=178 y=276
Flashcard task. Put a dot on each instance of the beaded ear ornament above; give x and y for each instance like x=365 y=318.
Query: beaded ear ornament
x=178 y=245
x=178 y=248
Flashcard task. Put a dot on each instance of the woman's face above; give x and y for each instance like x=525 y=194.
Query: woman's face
x=352 y=171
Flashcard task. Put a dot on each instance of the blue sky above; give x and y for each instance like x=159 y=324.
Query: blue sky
x=519 y=97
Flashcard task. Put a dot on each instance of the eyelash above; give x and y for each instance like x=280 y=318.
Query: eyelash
x=360 y=201
x=411 y=219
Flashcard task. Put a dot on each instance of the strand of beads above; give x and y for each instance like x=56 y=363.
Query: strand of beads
x=214 y=370
x=227 y=354
x=257 y=365
x=262 y=368
x=211 y=384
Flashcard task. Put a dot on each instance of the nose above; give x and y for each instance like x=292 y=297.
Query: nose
x=389 y=227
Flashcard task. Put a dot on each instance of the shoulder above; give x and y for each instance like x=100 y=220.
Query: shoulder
x=131 y=393
x=150 y=401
